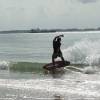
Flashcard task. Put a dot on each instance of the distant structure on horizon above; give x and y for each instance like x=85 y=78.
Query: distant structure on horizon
x=38 y=30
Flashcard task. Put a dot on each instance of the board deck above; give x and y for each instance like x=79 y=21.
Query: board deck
x=58 y=64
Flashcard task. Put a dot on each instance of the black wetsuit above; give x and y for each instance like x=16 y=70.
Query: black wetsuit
x=56 y=47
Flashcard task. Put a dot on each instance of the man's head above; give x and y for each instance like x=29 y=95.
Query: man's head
x=59 y=39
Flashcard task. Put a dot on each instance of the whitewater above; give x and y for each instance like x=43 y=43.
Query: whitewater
x=23 y=55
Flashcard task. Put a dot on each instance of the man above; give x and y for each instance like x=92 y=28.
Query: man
x=56 y=49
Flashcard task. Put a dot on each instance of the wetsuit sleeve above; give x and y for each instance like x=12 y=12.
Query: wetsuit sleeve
x=56 y=38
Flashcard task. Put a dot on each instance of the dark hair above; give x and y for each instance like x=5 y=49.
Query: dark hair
x=59 y=39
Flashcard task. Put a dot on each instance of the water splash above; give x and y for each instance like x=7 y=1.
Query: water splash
x=84 y=52
x=4 y=64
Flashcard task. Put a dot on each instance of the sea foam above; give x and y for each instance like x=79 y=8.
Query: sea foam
x=4 y=64
x=84 y=52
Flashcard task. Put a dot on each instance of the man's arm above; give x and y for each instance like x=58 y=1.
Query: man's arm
x=58 y=37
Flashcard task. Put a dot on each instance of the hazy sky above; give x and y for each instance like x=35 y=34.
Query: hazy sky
x=26 y=14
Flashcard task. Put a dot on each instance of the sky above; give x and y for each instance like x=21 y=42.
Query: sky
x=48 y=14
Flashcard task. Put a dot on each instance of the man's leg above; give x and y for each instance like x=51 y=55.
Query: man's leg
x=53 y=59
x=62 y=58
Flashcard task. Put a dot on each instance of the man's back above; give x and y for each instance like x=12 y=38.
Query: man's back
x=56 y=45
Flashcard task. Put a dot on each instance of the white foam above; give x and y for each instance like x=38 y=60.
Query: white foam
x=4 y=64
x=90 y=70
x=66 y=86
x=85 y=51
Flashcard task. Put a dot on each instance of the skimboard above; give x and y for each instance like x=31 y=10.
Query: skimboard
x=58 y=64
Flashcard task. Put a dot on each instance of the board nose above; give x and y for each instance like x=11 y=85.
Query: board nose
x=67 y=62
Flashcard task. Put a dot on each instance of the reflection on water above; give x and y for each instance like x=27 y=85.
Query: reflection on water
x=55 y=73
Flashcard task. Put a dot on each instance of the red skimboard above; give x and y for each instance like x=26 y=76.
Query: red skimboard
x=58 y=64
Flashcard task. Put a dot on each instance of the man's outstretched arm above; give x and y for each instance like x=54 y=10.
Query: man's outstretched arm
x=58 y=37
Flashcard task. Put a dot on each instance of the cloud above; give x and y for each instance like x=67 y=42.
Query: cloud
x=49 y=13
x=88 y=1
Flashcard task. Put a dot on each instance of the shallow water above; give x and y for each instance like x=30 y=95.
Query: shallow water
x=68 y=86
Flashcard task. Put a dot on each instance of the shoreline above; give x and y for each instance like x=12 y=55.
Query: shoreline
x=49 y=31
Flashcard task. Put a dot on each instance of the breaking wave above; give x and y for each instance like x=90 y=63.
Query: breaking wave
x=84 y=52
x=4 y=65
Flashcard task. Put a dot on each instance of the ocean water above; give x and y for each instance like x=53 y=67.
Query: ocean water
x=23 y=78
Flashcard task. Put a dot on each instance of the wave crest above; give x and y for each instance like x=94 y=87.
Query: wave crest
x=85 y=52
x=4 y=65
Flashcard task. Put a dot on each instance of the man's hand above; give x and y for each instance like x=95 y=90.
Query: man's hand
x=61 y=35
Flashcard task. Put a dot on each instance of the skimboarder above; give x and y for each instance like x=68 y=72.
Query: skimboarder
x=56 y=49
